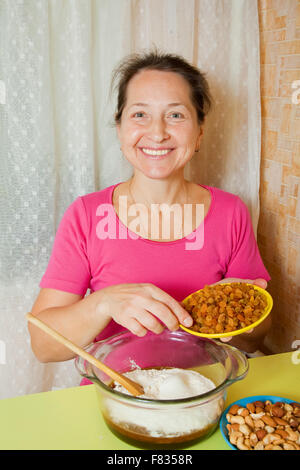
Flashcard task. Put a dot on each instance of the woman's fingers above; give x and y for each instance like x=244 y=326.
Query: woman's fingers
x=134 y=326
x=172 y=305
x=149 y=321
x=260 y=283
x=249 y=331
x=226 y=339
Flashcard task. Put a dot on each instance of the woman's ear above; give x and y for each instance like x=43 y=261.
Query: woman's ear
x=199 y=138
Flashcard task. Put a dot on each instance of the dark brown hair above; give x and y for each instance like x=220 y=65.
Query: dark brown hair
x=154 y=60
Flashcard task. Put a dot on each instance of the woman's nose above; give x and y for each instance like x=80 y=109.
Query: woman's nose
x=158 y=130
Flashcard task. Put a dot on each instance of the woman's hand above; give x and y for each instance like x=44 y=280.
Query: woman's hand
x=257 y=282
x=142 y=307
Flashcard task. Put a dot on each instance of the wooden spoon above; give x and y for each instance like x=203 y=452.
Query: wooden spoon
x=132 y=387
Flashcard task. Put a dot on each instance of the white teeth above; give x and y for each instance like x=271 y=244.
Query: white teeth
x=155 y=152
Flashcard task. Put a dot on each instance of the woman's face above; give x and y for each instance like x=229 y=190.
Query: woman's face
x=159 y=129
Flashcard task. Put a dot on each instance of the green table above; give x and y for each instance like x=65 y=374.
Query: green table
x=69 y=419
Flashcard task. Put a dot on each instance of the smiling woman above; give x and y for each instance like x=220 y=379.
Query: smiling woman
x=137 y=281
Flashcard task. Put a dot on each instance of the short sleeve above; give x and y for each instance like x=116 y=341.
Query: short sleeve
x=68 y=268
x=245 y=261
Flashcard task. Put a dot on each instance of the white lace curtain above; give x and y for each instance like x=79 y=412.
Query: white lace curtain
x=57 y=140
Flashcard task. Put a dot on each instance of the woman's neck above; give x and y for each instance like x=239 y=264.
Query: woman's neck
x=163 y=191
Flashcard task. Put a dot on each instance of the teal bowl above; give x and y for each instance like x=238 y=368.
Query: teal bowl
x=243 y=402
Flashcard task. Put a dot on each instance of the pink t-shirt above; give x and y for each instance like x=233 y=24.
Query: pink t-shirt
x=93 y=249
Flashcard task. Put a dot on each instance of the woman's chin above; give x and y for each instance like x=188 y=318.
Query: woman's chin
x=156 y=173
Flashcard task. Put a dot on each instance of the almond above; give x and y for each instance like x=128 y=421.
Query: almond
x=260 y=434
x=268 y=420
x=250 y=407
x=259 y=409
x=279 y=403
x=295 y=404
x=277 y=411
x=259 y=403
x=280 y=421
x=293 y=423
x=282 y=433
x=234 y=409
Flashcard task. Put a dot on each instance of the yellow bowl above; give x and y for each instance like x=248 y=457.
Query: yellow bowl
x=241 y=330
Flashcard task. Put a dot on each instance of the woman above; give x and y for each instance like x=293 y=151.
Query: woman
x=112 y=242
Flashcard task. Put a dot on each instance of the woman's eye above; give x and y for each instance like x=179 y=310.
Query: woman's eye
x=177 y=115
x=139 y=114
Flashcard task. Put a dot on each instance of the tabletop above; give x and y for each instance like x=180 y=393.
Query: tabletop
x=70 y=419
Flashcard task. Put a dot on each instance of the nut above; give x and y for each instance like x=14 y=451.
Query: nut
x=234 y=409
x=295 y=404
x=250 y=407
x=269 y=447
x=245 y=429
x=268 y=406
x=269 y=429
x=259 y=446
x=247 y=442
x=293 y=435
x=269 y=438
x=259 y=409
x=259 y=424
x=280 y=421
x=264 y=426
x=261 y=433
x=277 y=411
x=240 y=444
x=235 y=426
x=257 y=415
x=278 y=442
x=259 y=403
x=253 y=439
x=268 y=420
x=288 y=446
x=293 y=423
x=288 y=407
x=243 y=412
x=234 y=437
x=249 y=421
x=237 y=419
x=282 y=433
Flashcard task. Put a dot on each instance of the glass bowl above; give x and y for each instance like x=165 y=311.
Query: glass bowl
x=147 y=422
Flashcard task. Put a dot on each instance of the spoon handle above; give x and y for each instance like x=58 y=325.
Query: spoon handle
x=134 y=388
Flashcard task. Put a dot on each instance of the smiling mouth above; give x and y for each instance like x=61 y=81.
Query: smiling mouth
x=155 y=152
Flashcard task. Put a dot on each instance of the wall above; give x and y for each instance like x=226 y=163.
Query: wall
x=279 y=223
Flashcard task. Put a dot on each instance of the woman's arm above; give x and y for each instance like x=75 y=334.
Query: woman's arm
x=74 y=317
x=139 y=307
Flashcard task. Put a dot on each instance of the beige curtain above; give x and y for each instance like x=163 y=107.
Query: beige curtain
x=57 y=140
